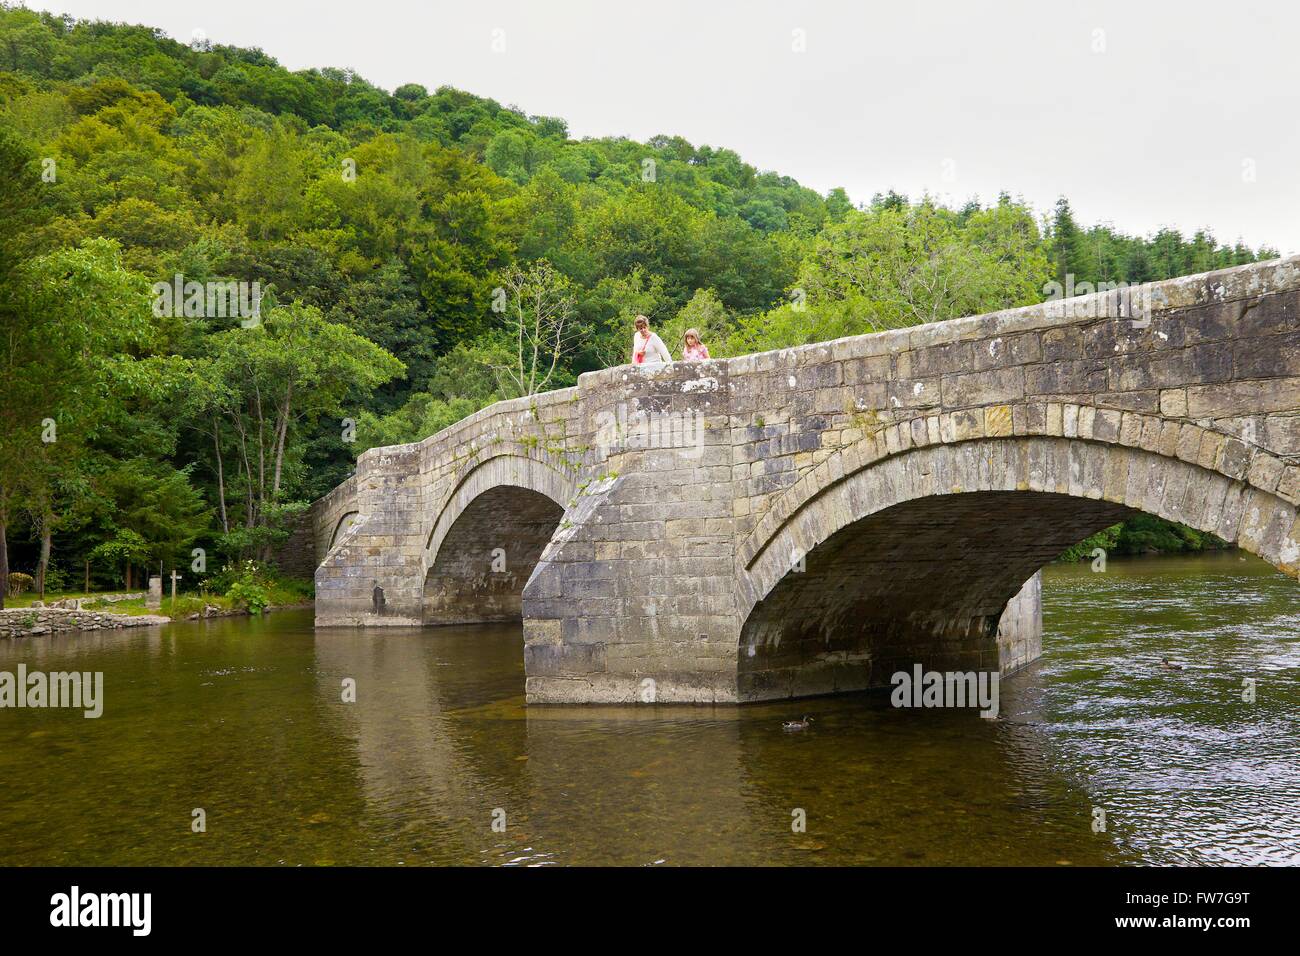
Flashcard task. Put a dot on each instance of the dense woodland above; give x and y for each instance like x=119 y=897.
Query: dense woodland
x=379 y=227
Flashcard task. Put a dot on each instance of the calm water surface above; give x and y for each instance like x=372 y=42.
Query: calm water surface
x=244 y=719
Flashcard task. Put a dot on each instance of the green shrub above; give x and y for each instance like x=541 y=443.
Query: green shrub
x=1106 y=540
x=292 y=591
x=219 y=582
x=19 y=582
x=57 y=580
x=250 y=587
x=1144 y=534
x=249 y=594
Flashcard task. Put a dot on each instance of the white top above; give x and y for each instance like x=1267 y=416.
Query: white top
x=655 y=351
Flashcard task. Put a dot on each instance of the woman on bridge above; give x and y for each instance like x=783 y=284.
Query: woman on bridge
x=647 y=347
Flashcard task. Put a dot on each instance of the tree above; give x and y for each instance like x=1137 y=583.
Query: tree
x=26 y=44
x=268 y=187
x=385 y=307
x=125 y=547
x=538 y=310
x=508 y=155
x=156 y=513
x=892 y=268
x=266 y=386
x=70 y=318
x=53 y=489
x=547 y=212
x=19 y=213
x=1065 y=242
x=838 y=204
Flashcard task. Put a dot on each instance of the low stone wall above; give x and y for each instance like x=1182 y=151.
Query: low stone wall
x=78 y=603
x=32 y=622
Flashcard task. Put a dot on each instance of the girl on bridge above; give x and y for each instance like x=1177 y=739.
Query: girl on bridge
x=647 y=347
x=695 y=351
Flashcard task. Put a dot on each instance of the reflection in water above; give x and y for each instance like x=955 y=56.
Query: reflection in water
x=245 y=719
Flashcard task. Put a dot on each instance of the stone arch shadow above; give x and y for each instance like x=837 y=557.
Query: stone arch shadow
x=914 y=558
x=341 y=528
x=487 y=540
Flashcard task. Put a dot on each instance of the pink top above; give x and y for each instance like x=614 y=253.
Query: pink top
x=696 y=353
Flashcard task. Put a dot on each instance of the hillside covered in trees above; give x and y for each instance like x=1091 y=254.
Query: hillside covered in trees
x=392 y=236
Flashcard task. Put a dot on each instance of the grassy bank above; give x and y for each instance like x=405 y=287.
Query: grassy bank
x=270 y=594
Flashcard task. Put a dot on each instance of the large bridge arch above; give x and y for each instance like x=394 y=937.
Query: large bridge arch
x=914 y=556
x=1080 y=451
x=487 y=538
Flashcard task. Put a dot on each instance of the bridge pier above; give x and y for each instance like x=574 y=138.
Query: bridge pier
x=810 y=520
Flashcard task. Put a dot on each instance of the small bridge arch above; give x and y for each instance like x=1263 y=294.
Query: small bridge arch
x=487 y=538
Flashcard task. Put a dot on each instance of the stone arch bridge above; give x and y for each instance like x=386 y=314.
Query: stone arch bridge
x=807 y=521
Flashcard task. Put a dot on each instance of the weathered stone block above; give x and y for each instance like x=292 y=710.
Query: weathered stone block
x=997 y=386
x=1173 y=402
x=1265 y=471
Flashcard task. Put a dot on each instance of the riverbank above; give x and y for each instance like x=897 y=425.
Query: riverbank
x=36 y=621
x=212 y=610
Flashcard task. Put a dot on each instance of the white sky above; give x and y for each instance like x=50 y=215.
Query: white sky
x=1189 y=115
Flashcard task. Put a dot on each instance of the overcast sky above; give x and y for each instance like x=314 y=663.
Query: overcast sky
x=1184 y=114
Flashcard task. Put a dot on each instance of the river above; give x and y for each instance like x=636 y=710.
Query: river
x=244 y=719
